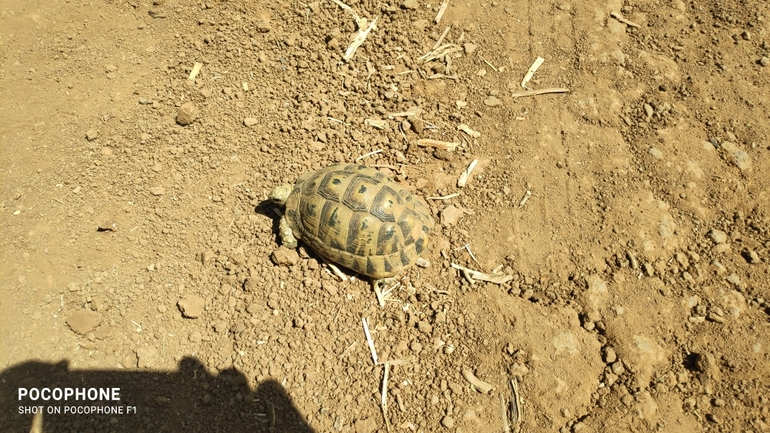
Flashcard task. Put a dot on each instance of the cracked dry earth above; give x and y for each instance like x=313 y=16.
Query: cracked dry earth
x=630 y=214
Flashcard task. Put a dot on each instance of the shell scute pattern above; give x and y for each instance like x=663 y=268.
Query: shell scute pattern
x=359 y=218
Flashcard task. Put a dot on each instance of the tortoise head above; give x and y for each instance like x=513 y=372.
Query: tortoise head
x=279 y=194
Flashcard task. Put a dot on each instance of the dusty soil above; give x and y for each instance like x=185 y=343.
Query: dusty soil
x=640 y=259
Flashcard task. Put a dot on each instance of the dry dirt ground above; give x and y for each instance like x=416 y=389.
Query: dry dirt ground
x=640 y=259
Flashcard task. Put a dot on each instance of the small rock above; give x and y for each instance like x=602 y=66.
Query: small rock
x=187 y=114
x=92 y=134
x=734 y=280
x=424 y=326
x=450 y=215
x=264 y=26
x=448 y=422
x=284 y=257
x=195 y=337
x=250 y=121
x=718 y=236
x=252 y=308
x=442 y=154
x=416 y=346
x=161 y=400
x=706 y=363
x=752 y=257
x=738 y=156
x=609 y=355
x=191 y=306
x=492 y=101
x=469 y=47
x=157 y=190
x=420 y=24
x=656 y=153
x=410 y=4
x=418 y=126
x=84 y=321
x=147 y=357
x=764 y=61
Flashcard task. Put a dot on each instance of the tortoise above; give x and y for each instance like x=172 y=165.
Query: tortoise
x=357 y=217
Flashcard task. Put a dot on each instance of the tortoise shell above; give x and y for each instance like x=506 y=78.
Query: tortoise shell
x=359 y=218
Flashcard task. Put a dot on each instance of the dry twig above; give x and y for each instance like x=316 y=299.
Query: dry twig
x=446 y=145
x=539 y=92
x=441 y=10
x=369 y=341
x=466 y=174
x=532 y=69
x=620 y=18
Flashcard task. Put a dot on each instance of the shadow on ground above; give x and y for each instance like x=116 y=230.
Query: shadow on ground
x=189 y=400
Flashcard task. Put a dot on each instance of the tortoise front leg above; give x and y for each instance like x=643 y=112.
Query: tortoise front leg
x=287 y=236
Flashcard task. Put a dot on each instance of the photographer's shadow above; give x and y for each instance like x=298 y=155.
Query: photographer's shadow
x=186 y=400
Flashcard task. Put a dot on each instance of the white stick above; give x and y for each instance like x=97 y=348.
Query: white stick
x=446 y=197
x=528 y=76
x=441 y=10
x=384 y=403
x=441 y=38
x=466 y=174
x=526 y=197
x=374 y=152
x=370 y=341
x=195 y=70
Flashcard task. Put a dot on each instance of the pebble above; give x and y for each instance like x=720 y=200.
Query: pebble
x=410 y=4
x=187 y=114
x=195 y=337
x=157 y=190
x=191 y=306
x=609 y=355
x=492 y=101
x=83 y=321
x=752 y=257
x=284 y=257
x=738 y=156
x=450 y=215
x=92 y=134
x=469 y=47
x=656 y=153
x=764 y=61
x=718 y=236
x=706 y=363
x=448 y=422
x=734 y=280
x=424 y=326
x=420 y=24
x=250 y=121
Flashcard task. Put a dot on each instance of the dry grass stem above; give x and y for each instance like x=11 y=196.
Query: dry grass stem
x=532 y=69
x=369 y=341
x=620 y=18
x=446 y=145
x=195 y=71
x=523 y=201
x=445 y=197
x=441 y=10
x=466 y=174
x=366 y=155
x=539 y=92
